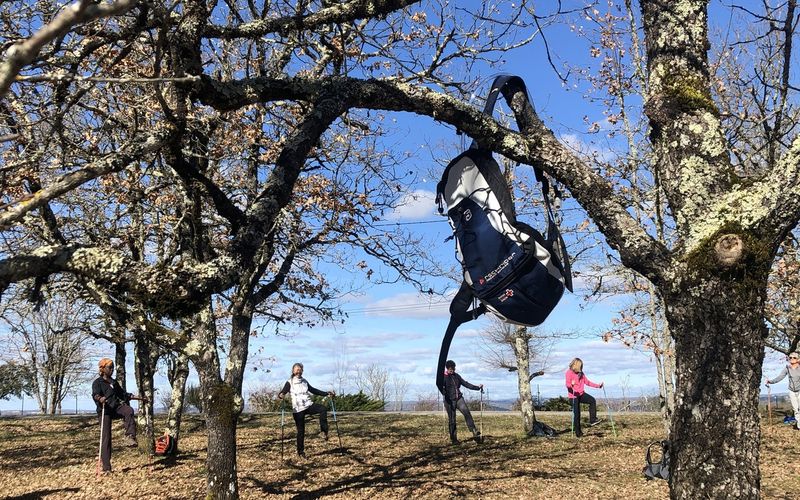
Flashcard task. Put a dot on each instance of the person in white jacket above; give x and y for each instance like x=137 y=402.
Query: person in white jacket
x=302 y=405
x=793 y=371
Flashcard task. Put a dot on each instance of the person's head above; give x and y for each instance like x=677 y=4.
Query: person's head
x=450 y=366
x=297 y=369
x=794 y=358
x=576 y=365
x=105 y=367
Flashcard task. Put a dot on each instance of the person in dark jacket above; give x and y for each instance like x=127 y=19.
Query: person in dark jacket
x=302 y=405
x=108 y=395
x=454 y=399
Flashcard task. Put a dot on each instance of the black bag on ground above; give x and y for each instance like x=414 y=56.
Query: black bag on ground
x=660 y=469
x=508 y=266
x=542 y=430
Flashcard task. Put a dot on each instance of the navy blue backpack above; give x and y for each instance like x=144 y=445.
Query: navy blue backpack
x=509 y=268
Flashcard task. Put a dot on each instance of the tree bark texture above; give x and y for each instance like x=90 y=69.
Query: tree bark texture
x=719 y=339
x=180 y=372
x=145 y=363
x=120 y=357
x=221 y=417
x=522 y=353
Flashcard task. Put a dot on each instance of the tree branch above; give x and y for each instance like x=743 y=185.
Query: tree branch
x=336 y=13
x=537 y=147
x=131 y=153
x=23 y=53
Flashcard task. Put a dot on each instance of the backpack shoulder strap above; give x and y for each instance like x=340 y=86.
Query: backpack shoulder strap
x=459 y=314
x=554 y=238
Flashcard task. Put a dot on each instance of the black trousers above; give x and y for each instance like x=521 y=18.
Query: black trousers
x=123 y=412
x=576 y=410
x=300 y=422
x=451 y=416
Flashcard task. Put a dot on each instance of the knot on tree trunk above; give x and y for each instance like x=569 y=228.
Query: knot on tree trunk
x=729 y=249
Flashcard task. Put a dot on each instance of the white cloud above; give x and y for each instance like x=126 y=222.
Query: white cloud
x=418 y=204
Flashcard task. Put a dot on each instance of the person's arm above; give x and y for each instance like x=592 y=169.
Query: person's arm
x=468 y=385
x=779 y=377
x=284 y=390
x=317 y=392
x=591 y=384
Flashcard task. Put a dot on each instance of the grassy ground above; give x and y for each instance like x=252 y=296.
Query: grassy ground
x=383 y=456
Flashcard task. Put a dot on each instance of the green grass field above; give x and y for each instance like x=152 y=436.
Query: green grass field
x=383 y=456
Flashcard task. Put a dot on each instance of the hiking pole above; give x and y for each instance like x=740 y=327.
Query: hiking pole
x=481 y=412
x=572 y=418
x=610 y=413
x=336 y=423
x=769 y=405
x=283 y=406
x=446 y=424
x=100 y=447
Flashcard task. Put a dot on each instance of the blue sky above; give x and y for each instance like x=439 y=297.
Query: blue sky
x=401 y=331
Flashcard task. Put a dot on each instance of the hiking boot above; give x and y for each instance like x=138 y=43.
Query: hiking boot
x=302 y=455
x=325 y=435
x=477 y=437
x=595 y=422
x=454 y=441
x=130 y=442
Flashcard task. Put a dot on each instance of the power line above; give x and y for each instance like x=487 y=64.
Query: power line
x=398 y=308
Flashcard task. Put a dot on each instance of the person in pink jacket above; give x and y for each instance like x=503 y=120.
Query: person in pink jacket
x=576 y=381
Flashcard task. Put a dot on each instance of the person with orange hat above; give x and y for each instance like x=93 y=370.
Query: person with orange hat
x=112 y=403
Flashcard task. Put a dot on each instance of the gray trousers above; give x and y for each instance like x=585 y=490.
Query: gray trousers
x=451 y=416
x=123 y=412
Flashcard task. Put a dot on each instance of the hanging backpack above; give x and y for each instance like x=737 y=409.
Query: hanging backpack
x=660 y=469
x=509 y=267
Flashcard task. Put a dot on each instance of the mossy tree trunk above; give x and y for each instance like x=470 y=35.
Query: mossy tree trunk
x=222 y=404
x=221 y=411
x=145 y=360
x=719 y=342
x=178 y=373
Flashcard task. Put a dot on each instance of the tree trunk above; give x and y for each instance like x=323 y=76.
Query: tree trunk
x=719 y=342
x=178 y=375
x=144 y=367
x=120 y=357
x=221 y=406
x=522 y=353
x=221 y=416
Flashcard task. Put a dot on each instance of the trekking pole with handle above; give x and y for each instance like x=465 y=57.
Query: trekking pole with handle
x=610 y=413
x=336 y=422
x=100 y=447
x=283 y=406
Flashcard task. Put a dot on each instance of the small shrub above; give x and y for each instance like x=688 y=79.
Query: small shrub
x=353 y=402
x=558 y=404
